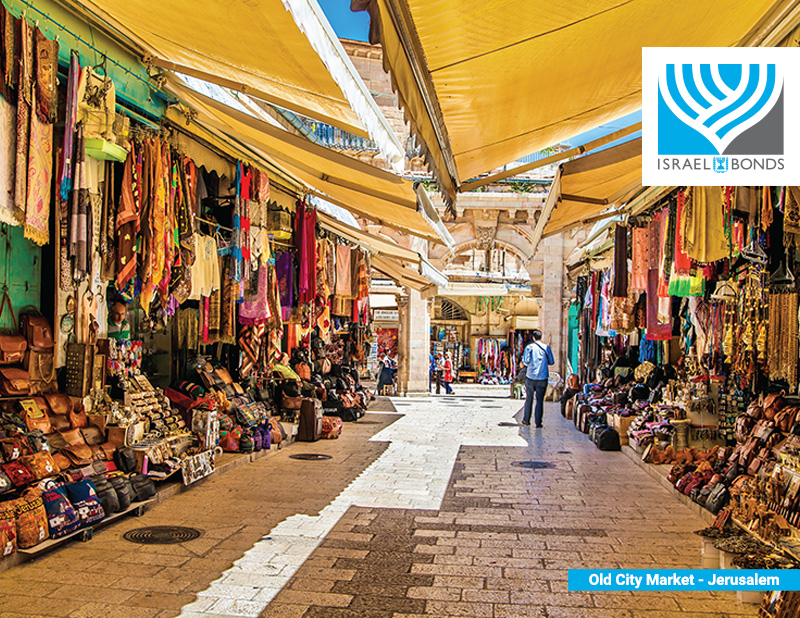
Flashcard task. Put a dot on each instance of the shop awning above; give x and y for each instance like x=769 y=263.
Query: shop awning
x=474 y=289
x=486 y=82
x=591 y=188
x=254 y=47
x=401 y=274
x=525 y=322
x=359 y=187
x=370 y=242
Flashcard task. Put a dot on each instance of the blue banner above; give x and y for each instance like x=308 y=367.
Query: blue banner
x=683 y=579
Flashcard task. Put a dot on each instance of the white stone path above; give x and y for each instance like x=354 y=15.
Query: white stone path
x=412 y=473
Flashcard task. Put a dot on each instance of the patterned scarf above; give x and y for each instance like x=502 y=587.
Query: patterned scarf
x=68 y=152
x=344 y=278
x=46 y=77
x=9 y=61
x=40 y=175
x=24 y=99
x=8 y=117
x=79 y=215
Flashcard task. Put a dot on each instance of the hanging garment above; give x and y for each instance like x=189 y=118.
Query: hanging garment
x=24 y=103
x=46 y=77
x=127 y=223
x=71 y=118
x=620 y=261
x=227 y=313
x=79 y=224
x=284 y=269
x=9 y=28
x=8 y=144
x=344 y=276
x=360 y=276
x=704 y=225
x=205 y=270
x=97 y=100
x=640 y=259
x=657 y=329
x=40 y=175
x=255 y=309
x=306 y=244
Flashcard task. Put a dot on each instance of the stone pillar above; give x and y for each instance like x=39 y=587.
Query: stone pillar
x=551 y=319
x=402 y=344
x=413 y=343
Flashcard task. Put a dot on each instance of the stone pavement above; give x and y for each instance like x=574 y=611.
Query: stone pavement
x=427 y=517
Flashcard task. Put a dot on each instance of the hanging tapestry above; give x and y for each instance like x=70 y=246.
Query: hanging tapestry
x=40 y=173
x=46 y=77
x=8 y=117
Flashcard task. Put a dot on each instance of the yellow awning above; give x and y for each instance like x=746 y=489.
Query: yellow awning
x=592 y=187
x=400 y=274
x=374 y=244
x=361 y=188
x=252 y=46
x=486 y=82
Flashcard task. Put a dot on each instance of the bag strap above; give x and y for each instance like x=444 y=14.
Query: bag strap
x=7 y=301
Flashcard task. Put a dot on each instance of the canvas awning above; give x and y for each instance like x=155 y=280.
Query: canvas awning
x=359 y=187
x=253 y=47
x=485 y=82
x=590 y=188
x=374 y=244
x=401 y=274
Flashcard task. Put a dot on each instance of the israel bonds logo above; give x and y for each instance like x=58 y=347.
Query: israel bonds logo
x=715 y=116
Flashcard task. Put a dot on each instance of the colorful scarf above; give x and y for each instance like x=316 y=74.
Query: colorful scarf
x=255 y=309
x=46 y=77
x=640 y=259
x=8 y=116
x=284 y=271
x=40 y=175
x=79 y=215
x=227 y=317
x=68 y=151
x=127 y=225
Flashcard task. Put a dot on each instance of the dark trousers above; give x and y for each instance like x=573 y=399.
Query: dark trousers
x=537 y=387
x=448 y=390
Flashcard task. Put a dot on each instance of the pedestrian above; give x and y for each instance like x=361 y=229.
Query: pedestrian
x=448 y=373
x=386 y=376
x=537 y=359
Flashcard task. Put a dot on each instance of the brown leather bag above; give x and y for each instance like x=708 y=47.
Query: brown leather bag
x=12 y=346
x=78 y=418
x=59 y=403
x=573 y=382
x=14 y=382
x=773 y=404
x=92 y=435
x=785 y=418
x=37 y=332
x=755 y=411
x=35 y=417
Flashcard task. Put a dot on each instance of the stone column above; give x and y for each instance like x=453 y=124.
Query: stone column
x=418 y=351
x=551 y=319
x=402 y=344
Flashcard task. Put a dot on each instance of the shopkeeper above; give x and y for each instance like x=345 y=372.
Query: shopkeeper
x=118 y=325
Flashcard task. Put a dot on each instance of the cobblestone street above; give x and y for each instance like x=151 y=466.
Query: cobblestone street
x=423 y=513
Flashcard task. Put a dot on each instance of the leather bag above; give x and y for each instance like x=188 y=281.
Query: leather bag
x=773 y=404
x=125 y=459
x=717 y=499
x=14 y=382
x=124 y=491
x=12 y=346
x=59 y=403
x=143 y=487
x=78 y=418
x=37 y=332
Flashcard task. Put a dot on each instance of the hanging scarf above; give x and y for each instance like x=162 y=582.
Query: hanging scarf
x=40 y=175
x=46 y=77
x=227 y=316
x=255 y=309
x=9 y=61
x=766 y=208
x=127 y=224
x=640 y=259
x=284 y=269
x=68 y=151
x=620 y=261
x=24 y=100
x=80 y=212
x=791 y=218
x=108 y=224
x=305 y=241
x=8 y=117
x=344 y=277
x=237 y=264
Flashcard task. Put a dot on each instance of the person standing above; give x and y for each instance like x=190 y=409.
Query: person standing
x=537 y=359
x=448 y=373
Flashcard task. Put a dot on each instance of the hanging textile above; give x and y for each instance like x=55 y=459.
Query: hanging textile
x=205 y=270
x=344 y=277
x=9 y=60
x=360 y=277
x=40 y=174
x=227 y=309
x=704 y=225
x=108 y=223
x=766 y=208
x=127 y=224
x=305 y=241
x=24 y=103
x=97 y=102
x=46 y=77
x=620 y=261
x=255 y=309
x=284 y=270
x=640 y=261
x=323 y=247
x=791 y=218
x=657 y=328
x=80 y=212
x=8 y=117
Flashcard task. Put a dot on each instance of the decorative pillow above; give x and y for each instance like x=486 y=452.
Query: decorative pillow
x=85 y=501
x=61 y=516
x=31 y=519
x=8 y=529
x=19 y=473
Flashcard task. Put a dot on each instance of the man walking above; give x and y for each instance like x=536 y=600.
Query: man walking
x=537 y=359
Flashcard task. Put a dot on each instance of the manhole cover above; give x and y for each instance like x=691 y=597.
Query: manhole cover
x=310 y=456
x=564 y=452
x=533 y=465
x=161 y=535
x=507 y=424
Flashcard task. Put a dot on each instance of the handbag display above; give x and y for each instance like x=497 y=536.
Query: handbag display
x=59 y=403
x=12 y=346
x=78 y=418
x=32 y=527
x=125 y=459
x=773 y=404
x=34 y=416
x=106 y=494
x=717 y=499
x=61 y=516
x=84 y=498
x=14 y=382
x=41 y=464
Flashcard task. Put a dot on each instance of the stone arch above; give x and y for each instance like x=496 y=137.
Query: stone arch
x=473 y=244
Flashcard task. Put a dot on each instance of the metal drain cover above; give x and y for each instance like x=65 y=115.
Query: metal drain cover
x=534 y=465
x=310 y=456
x=161 y=535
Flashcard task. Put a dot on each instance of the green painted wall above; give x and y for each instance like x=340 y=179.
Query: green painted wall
x=21 y=271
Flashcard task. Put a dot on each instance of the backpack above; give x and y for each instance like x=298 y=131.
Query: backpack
x=608 y=439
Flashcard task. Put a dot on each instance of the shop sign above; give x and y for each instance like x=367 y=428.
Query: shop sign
x=386 y=315
x=716 y=116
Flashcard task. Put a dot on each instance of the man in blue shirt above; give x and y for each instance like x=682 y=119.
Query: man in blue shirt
x=537 y=358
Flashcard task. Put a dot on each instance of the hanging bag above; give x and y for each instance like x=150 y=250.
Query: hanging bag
x=12 y=346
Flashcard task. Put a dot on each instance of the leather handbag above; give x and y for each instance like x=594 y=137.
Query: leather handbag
x=106 y=494
x=12 y=346
x=124 y=491
x=78 y=418
x=14 y=382
x=143 y=487
x=717 y=499
x=37 y=332
x=755 y=411
x=59 y=403
x=35 y=418
x=773 y=404
x=785 y=418
x=92 y=435
x=291 y=403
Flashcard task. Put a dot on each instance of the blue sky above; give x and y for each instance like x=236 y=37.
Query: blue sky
x=346 y=24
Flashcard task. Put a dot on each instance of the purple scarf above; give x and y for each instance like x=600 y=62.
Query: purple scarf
x=284 y=269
